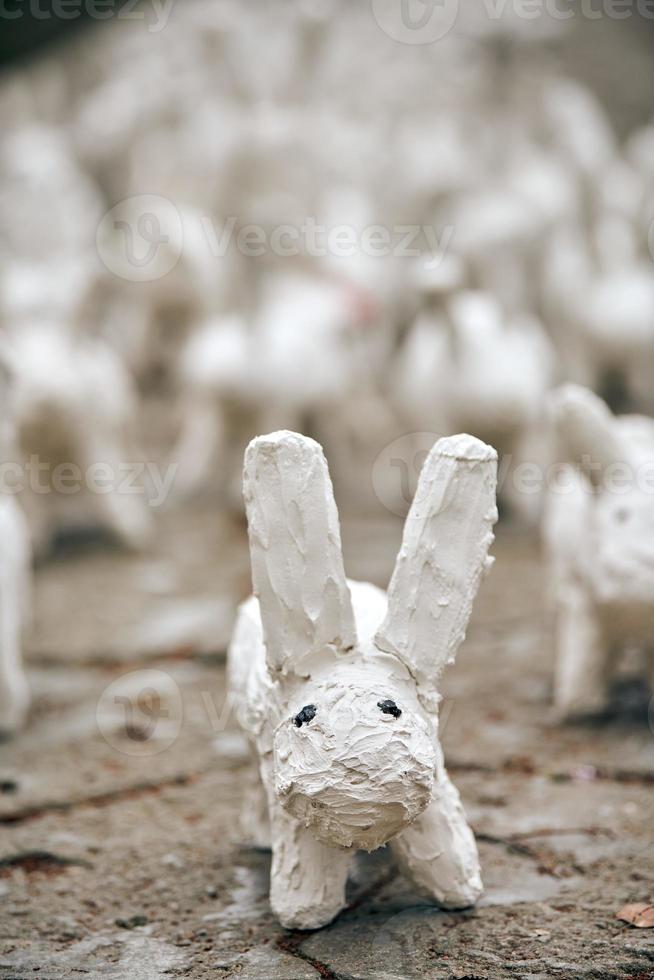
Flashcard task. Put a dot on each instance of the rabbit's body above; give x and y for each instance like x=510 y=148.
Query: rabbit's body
x=599 y=538
x=334 y=681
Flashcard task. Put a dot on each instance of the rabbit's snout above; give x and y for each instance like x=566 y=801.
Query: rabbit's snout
x=358 y=771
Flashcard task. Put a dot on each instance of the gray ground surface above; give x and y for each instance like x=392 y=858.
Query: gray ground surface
x=121 y=856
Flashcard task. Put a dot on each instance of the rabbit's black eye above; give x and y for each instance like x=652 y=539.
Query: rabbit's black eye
x=308 y=712
x=389 y=708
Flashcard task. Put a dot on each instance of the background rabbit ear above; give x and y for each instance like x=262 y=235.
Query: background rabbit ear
x=444 y=552
x=295 y=549
x=586 y=430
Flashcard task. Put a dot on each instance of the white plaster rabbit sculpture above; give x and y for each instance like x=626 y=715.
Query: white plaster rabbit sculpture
x=336 y=682
x=74 y=406
x=303 y=354
x=599 y=533
x=465 y=365
x=151 y=318
x=15 y=590
x=599 y=299
x=40 y=177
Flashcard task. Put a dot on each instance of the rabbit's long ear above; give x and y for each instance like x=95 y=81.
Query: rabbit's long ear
x=586 y=430
x=295 y=549
x=444 y=552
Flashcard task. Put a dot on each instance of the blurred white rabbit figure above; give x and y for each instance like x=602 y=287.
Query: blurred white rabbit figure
x=15 y=583
x=465 y=366
x=301 y=355
x=337 y=683
x=167 y=278
x=599 y=532
x=74 y=411
x=218 y=397
x=599 y=298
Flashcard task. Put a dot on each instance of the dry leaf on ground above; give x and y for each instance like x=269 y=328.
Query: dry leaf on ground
x=640 y=915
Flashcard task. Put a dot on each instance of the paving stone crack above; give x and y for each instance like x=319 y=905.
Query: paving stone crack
x=371 y=891
x=529 y=769
x=101 y=661
x=291 y=944
x=39 y=862
x=547 y=862
x=134 y=791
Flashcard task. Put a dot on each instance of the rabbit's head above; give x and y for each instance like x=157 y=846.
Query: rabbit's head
x=356 y=761
x=356 y=750
x=615 y=457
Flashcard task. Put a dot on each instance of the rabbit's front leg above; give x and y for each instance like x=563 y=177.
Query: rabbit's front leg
x=583 y=662
x=307 y=878
x=438 y=851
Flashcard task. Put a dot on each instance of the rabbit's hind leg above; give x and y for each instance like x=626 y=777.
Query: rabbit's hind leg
x=438 y=851
x=307 y=878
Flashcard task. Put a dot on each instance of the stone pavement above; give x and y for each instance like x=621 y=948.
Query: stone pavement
x=121 y=856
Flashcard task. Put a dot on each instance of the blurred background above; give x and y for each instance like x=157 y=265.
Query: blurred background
x=375 y=223
x=361 y=221
x=349 y=220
